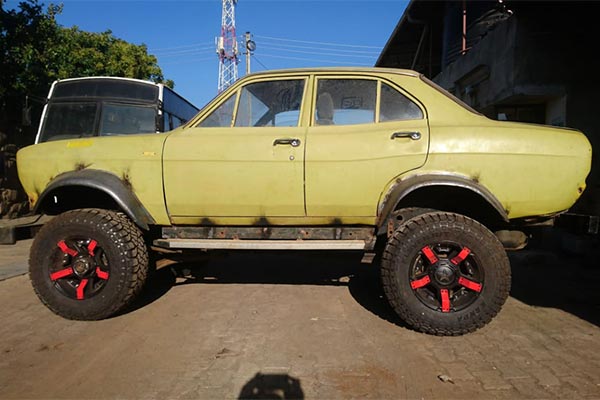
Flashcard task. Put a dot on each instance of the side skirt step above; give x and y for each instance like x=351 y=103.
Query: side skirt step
x=237 y=244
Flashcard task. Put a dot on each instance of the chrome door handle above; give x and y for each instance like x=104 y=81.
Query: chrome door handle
x=286 y=141
x=402 y=135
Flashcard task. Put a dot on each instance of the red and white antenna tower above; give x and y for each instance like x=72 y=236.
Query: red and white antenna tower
x=227 y=48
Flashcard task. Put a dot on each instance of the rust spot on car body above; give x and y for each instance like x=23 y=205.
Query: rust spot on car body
x=81 y=165
x=127 y=179
x=207 y=222
x=262 y=221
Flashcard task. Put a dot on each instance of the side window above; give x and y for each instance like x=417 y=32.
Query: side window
x=397 y=107
x=345 y=101
x=275 y=103
x=166 y=121
x=221 y=117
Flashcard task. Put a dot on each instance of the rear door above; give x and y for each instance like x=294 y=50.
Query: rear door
x=364 y=133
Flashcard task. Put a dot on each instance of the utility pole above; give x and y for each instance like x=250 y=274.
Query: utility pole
x=250 y=47
x=227 y=47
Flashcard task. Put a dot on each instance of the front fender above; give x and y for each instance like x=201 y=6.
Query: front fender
x=105 y=182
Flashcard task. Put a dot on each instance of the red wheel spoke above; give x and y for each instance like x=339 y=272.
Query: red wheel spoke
x=80 y=289
x=427 y=252
x=61 y=274
x=445 y=300
x=65 y=249
x=419 y=283
x=461 y=256
x=91 y=247
x=469 y=284
x=101 y=274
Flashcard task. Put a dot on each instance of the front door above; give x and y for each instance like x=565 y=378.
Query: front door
x=242 y=160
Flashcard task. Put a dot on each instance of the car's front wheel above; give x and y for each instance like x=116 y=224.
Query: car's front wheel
x=445 y=274
x=88 y=264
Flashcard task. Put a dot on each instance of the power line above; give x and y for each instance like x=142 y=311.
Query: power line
x=258 y=61
x=269 y=47
x=312 y=59
x=184 y=52
x=187 y=60
x=323 y=43
x=177 y=47
x=322 y=48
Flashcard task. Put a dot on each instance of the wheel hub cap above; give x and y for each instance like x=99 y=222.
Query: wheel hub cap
x=82 y=266
x=446 y=277
x=80 y=272
x=444 y=274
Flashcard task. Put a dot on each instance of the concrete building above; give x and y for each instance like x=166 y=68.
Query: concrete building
x=529 y=61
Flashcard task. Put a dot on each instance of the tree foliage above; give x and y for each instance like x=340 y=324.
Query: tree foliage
x=35 y=50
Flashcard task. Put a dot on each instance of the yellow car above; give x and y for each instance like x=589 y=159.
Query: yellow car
x=381 y=161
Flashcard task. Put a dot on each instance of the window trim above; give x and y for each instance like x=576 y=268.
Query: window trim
x=304 y=78
x=409 y=97
x=380 y=81
x=236 y=89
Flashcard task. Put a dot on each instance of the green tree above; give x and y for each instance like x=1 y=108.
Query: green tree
x=35 y=50
x=88 y=54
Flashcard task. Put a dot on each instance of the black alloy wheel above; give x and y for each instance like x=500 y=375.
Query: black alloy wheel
x=88 y=264
x=445 y=274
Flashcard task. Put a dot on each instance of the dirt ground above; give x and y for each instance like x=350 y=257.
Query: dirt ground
x=304 y=325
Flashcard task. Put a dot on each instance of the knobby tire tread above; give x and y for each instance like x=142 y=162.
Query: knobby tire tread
x=397 y=248
x=124 y=234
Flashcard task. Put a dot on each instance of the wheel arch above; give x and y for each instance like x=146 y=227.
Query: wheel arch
x=91 y=188
x=451 y=193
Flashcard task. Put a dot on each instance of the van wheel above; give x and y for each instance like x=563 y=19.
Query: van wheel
x=445 y=274
x=88 y=264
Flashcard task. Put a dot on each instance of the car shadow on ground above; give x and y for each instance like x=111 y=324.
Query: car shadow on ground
x=540 y=277
x=557 y=279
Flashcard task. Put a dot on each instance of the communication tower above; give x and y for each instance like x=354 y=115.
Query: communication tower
x=227 y=48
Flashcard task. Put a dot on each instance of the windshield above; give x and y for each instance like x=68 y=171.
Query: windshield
x=68 y=121
x=119 y=119
x=76 y=120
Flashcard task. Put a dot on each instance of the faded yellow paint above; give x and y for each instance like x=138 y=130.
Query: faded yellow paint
x=74 y=144
x=262 y=221
x=339 y=174
x=122 y=156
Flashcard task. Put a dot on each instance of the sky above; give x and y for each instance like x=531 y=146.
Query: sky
x=288 y=34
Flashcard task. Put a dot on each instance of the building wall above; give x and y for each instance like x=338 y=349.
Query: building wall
x=535 y=67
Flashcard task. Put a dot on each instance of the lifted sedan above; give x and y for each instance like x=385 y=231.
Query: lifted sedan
x=375 y=160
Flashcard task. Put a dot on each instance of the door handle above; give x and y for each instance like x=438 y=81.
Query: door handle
x=286 y=141
x=402 y=135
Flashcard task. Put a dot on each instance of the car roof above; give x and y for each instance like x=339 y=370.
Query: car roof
x=337 y=70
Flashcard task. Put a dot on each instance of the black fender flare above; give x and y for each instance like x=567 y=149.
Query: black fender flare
x=405 y=186
x=106 y=182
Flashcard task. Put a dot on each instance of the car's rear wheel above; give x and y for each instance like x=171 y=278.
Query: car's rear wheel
x=445 y=274
x=88 y=264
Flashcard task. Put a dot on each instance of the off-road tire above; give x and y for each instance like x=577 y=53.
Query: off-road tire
x=124 y=262
x=404 y=253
